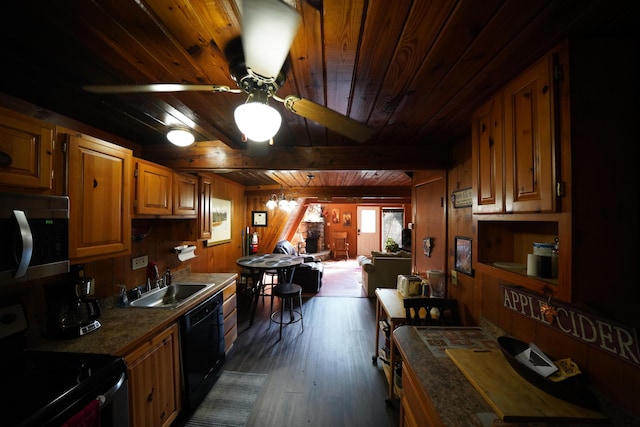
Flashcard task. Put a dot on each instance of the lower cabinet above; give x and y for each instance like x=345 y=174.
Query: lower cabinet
x=414 y=404
x=154 y=380
x=230 y=313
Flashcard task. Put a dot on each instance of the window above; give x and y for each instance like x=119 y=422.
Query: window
x=392 y=224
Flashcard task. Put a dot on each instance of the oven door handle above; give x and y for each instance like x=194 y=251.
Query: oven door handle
x=108 y=395
x=27 y=243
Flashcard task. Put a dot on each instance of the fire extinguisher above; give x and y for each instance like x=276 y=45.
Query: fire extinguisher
x=254 y=243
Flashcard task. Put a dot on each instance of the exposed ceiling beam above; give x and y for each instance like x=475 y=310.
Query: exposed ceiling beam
x=216 y=155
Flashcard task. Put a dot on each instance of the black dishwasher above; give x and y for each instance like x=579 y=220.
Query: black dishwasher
x=202 y=338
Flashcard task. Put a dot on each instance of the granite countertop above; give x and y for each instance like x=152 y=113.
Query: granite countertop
x=124 y=328
x=453 y=397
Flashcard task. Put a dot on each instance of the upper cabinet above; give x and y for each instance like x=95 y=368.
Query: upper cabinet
x=99 y=182
x=514 y=143
x=185 y=195
x=488 y=146
x=517 y=154
x=26 y=151
x=529 y=140
x=204 y=218
x=161 y=192
x=154 y=185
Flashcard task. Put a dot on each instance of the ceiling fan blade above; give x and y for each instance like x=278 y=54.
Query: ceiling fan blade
x=328 y=118
x=162 y=87
x=268 y=29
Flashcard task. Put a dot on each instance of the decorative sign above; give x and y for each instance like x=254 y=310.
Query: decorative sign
x=613 y=338
x=462 y=198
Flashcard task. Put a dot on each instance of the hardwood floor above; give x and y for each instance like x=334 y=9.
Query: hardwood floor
x=323 y=376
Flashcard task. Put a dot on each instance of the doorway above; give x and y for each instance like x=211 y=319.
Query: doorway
x=368 y=232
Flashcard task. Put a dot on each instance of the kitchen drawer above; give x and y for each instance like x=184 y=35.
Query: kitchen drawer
x=229 y=291
x=230 y=321
x=229 y=305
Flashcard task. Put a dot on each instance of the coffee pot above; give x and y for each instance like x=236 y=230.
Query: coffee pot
x=71 y=310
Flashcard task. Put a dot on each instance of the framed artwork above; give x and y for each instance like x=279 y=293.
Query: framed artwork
x=346 y=219
x=335 y=215
x=220 y=222
x=463 y=255
x=259 y=218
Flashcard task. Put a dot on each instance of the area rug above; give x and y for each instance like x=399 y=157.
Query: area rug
x=342 y=279
x=230 y=401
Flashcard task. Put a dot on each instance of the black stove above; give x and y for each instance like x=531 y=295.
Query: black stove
x=47 y=388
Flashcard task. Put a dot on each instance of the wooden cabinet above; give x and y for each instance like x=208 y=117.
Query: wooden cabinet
x=154 y=184
x=414 y=403
x=154 y=380
x=161 y=192
x=204 y=217
x=487 y=158
x=99 y=183
x=230 y=313
x=185 y=195
x=529 y=134
x=26 y=151
x=514 y=145
x=516 y=166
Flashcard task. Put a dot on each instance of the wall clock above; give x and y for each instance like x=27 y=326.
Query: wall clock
x=259 y=218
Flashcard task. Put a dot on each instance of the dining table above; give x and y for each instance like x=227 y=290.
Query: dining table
x=257 y=264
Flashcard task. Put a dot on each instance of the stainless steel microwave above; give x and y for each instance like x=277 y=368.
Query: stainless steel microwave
x=35 y=241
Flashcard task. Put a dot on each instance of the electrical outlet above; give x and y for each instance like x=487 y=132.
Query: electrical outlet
x=454 y=277
x=139 y=262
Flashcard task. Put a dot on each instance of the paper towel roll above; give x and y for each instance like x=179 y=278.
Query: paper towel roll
x=532 y=265
x=185 y=252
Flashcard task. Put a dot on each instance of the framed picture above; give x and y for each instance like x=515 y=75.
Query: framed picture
x=220 y=222
x=346 y=219
x=335 y=215
x=259 y=218
x=463 y=255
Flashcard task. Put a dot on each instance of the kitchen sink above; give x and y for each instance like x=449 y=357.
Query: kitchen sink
x=168 y=297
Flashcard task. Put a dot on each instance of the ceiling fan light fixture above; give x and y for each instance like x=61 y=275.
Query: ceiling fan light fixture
x=256 y=119
x=180 y=136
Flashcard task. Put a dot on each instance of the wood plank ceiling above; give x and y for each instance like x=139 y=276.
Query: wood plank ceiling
x=413 y=70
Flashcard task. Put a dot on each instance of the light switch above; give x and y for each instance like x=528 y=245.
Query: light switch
x=454 y=277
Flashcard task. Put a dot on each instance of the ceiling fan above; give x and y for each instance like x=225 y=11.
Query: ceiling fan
x=258 y=71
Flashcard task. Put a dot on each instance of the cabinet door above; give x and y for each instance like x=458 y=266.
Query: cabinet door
x=26 y=151
x=185 y=195
x=154 y=380
x=99 y=178
x=529 y=140
x=154 y=185
x=487 y=159
x=204 y=218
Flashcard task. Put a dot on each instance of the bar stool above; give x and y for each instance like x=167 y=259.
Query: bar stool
x=272 y=274
x=287 y=293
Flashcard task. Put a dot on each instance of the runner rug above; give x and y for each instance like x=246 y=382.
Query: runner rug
x=230 y=401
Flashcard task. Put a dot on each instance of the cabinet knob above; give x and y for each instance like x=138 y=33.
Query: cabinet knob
x=5 y=159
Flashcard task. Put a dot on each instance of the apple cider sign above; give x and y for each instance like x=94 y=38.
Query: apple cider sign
x=603 y=334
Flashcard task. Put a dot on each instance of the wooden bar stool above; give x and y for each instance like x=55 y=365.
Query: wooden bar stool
x=287 y=292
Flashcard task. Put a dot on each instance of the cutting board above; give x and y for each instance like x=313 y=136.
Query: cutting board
x=511 y=396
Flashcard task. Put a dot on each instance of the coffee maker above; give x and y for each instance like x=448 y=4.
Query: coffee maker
x=71 y=309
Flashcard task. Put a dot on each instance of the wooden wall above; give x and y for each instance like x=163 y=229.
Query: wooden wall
x=479 y=296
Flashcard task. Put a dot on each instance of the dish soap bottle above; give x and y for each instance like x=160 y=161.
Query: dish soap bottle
x=167 y=277
x=123 y=300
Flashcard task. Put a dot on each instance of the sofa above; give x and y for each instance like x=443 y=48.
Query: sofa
x=382 y=269
x=308 y=274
